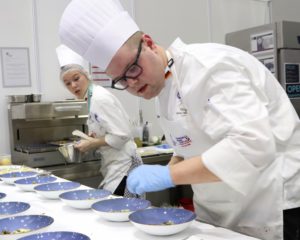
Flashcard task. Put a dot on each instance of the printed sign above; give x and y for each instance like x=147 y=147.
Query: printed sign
x=262 y=42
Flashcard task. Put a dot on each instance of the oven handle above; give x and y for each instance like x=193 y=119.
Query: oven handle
x=67 y=108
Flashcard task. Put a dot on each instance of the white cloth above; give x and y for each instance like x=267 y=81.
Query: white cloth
x=96 y=29
x=108 y=118
x=66 y=56
x=232 y=111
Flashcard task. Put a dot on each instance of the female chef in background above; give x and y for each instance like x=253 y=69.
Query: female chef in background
x=233 y=129
x=108 y=124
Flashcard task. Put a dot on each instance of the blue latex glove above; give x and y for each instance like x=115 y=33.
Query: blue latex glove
x=149 y=178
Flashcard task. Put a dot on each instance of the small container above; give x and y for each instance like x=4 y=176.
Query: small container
x=71 y=154
x=5 y=159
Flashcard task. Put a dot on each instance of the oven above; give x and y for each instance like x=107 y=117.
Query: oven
x=38 y=129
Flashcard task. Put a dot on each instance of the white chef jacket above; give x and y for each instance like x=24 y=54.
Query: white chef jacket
x=225 y=106
x=108 y=118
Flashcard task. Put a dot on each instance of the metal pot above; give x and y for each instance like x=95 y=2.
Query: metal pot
x=70 y=154
x=36 y=97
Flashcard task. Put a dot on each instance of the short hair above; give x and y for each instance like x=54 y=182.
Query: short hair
x=134 y=40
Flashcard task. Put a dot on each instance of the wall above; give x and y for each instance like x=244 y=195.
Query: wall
x=285 y=10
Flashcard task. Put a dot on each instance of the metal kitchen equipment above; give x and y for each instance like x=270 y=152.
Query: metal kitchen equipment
x=38 y=129
x=277 y=46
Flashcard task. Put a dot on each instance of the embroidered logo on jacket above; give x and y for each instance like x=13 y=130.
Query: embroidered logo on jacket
x=184 y=141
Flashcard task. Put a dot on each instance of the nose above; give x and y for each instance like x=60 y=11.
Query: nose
x=73 y=84
x=131 y=82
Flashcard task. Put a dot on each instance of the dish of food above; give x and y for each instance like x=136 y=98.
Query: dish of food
x=23 y=225
x=162 y=221
x=84 y=198
x=28 y=184
x=118 y=209
x=11 y=208
x=54 y=189
x=10 y=177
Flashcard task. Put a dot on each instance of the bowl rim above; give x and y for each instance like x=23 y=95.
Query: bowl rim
x=51 y=220
x=63 y=197
x=77 y=184
x=119 y=199
x=18 y=181
x=17 y=202
x=55 y=232
x=193 y=216
x=9 y=173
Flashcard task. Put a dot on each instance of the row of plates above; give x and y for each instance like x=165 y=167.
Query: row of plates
x=157 y=221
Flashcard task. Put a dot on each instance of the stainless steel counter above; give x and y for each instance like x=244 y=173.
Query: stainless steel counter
x=86 y=173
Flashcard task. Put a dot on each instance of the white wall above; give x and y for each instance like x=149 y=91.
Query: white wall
x=286 y=10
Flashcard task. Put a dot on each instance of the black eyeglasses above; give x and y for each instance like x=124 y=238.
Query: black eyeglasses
x=133 y=72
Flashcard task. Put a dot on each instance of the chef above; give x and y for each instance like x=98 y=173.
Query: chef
x=233 y=129
x=108 y=124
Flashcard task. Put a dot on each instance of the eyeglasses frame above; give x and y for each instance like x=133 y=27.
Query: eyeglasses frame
x=124 y=77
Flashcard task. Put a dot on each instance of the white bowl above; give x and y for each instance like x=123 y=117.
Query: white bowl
x=10 y=177
x=118 y=209
x=162 y=221
x=54 y=189
x=84 y=198
x=28 y=184
x=13 y=228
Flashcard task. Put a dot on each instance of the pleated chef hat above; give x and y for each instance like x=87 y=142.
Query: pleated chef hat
x=96 y=29
x=67 y=56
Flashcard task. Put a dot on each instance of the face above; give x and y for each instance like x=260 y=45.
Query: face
x=76 y=82
x=151 y=80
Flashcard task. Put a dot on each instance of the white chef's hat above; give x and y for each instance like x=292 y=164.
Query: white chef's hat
x=67 y=56
x=96 y=29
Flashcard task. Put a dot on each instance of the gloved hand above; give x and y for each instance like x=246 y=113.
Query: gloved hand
x=149 y=178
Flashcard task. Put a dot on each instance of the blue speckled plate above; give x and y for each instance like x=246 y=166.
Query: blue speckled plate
x=28 y=184
x=54 y=189
x=118 y=209
x=56 y=236
x=13 y=176
x=11 y=208
x=162 y=221
x=10 y=227
x=84 y=198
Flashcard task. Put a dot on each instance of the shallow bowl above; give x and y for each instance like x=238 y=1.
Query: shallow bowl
x=54 y=189
x=162 y=221
x=12 y=228
x=10 y=177
x=28 y=184
x=84 y=198
x=61 y=235
x=8 y=209
x=118 y=209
